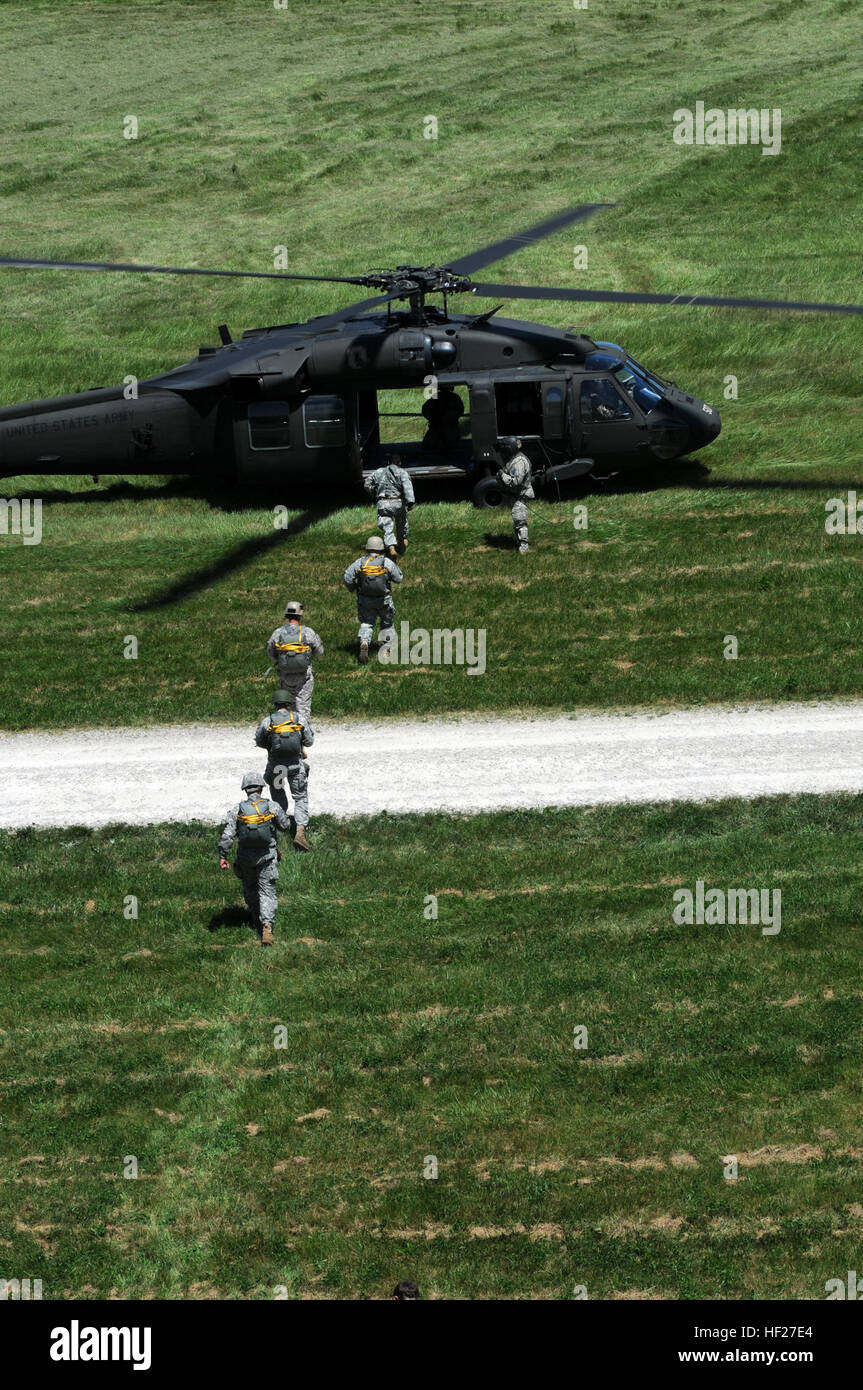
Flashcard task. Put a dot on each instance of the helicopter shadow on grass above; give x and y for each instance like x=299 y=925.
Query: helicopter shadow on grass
x=319 y=506
x=695 y=475
x=220 y=496
x=235 y=559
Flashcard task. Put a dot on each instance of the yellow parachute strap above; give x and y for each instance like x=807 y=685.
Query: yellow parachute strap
x=368 y=568
x=299 y=646
x=257 y=819
x=293 y=726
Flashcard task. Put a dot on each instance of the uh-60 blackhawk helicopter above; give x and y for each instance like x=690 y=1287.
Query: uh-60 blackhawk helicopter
x=299 y=402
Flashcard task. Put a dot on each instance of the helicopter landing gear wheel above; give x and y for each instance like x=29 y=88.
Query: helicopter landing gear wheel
x=488 y=493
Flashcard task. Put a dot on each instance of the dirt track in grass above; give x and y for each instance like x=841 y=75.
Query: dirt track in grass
x=141 y=776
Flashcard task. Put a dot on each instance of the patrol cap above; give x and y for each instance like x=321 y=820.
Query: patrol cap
x=374 y=543
x=282 y=697
x=251 y=779
x=293 y=608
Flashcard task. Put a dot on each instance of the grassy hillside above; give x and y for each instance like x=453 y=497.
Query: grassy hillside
x=409 y=1036
x=260 y=128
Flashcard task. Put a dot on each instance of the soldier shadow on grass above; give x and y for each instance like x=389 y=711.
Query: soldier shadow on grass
x=230 y=917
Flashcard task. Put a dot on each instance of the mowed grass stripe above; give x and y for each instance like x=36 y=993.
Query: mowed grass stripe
x=408 y=1037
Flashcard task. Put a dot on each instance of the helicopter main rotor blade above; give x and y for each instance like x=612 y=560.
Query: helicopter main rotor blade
x=625 y=297
x=350 y=311
x=28 y=263
x=478 y=260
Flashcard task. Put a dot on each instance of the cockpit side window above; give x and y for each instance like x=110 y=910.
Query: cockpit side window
x=600 y=400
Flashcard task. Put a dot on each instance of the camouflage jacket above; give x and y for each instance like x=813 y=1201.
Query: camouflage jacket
x=515 y=476
x=390 y=484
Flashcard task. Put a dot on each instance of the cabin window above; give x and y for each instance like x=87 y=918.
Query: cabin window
x=269 y=425
x=519 y=407
x=552 y=414
x=324 y=422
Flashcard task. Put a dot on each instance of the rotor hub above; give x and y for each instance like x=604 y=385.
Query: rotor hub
x=408 y=281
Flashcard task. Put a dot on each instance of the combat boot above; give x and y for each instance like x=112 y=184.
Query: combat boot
x=402 y=547
x=267 y=937
x=300 y=841
x=364 y=653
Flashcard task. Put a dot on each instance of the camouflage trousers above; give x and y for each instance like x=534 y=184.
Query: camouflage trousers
x=259 y=887
x=300 y=688
x=297 y=777
x=372 y=610
x=393 y=522
x=519 y=521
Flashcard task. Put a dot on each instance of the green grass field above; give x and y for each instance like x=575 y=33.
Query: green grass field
x=409 y=1037
x=632 y=611
x=259 y=129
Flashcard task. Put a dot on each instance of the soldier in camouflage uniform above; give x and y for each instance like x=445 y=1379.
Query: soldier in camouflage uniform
x=514 y=476
x=291 y=649
x=255 y=824
x=371 y=577
x=286 y=734
x=394 y=492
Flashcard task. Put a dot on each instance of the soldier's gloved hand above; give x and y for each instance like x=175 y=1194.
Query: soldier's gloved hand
x=223 y=863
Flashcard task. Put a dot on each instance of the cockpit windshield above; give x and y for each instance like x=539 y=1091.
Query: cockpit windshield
x=642 y=385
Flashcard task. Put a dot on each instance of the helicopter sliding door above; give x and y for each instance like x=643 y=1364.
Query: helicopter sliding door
x=315 y=440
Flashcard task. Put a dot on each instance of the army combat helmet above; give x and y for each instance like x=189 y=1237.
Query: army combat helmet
x=375 y=543
x=252 y=780
x=293 y=608
x=282 y=697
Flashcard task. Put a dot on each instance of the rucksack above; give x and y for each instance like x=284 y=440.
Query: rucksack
x=372 y=578
x=294 y=658
x=286 y=735
x=256 y=826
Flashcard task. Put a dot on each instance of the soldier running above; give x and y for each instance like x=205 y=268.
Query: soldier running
x=514 y=476
x=371 y=577
x=255 y=824
x=291 y=649
x=286 y=735
x=394 y=492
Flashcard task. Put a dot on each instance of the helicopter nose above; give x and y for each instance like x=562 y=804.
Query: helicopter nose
x=711 y=423
x=704 y=427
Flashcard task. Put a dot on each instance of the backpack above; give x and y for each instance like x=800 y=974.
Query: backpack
x=293 y=658
x=373 y=580
x=256 y=829
x=286 y=735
